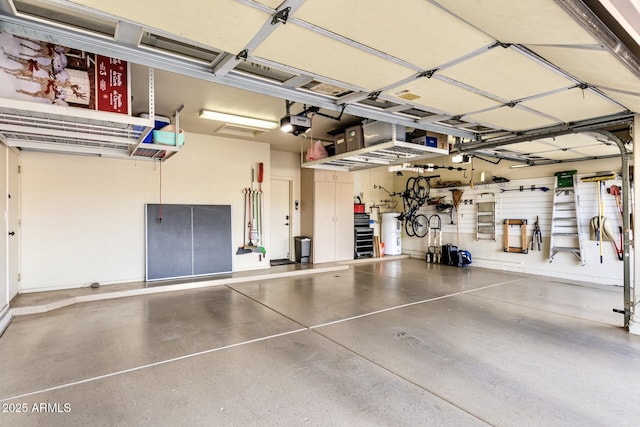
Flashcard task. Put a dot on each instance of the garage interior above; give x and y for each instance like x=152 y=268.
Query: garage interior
x=500 y=108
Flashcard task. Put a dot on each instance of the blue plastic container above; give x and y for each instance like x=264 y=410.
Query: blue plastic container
x=160 y=122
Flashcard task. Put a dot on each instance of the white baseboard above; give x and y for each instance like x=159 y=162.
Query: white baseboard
x=5 y=319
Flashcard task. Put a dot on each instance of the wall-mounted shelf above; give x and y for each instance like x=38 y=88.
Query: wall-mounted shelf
x=384 y=154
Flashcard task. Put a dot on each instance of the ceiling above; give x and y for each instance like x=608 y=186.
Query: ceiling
x=483 y=72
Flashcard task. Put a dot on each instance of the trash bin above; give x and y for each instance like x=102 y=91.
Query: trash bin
x=302 y=249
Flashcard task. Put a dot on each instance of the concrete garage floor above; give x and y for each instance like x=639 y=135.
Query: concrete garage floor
x=394 y=343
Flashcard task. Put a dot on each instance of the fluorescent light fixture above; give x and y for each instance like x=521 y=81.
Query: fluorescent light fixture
x=519 y=165
x=238 y=120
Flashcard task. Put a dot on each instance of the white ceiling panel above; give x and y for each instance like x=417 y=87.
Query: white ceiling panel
x=575 y=104
x=442 y=96
x=511 y=119
x=631 y=102
x=405 y=30
x=224 y=24
x=598 y=68
x=524 y=22
x=317 y=54
x=507 y=74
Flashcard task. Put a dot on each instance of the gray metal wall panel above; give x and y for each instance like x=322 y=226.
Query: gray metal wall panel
x=189 y=240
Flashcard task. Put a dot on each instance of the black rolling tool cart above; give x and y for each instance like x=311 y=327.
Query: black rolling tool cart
x=363 y=236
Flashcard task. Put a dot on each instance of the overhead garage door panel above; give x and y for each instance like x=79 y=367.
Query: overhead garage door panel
x=446 y=97
x=597 y=149
x=273 y=4
x=511 y=119
x=524 y=22
x=415 y=31
x=508 y=74
x=575 y=104
x=566 y=147
x=223 y=24
x=318 y=54
x=632 y=102
x=598 y=68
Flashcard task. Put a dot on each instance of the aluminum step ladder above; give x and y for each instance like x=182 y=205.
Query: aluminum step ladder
x=565 y=227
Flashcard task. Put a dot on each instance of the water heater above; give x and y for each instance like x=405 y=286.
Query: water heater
x=391 y=233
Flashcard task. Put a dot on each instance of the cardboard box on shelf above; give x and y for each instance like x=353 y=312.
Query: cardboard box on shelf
x=340 y=142
x=354 y=139
x=430 y=139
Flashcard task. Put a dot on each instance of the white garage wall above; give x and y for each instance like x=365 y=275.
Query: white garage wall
x=83 y=217
x=367 y=184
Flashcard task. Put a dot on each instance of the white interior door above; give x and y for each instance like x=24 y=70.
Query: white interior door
x=4 y=228
x=14 y=222
x=280 y=220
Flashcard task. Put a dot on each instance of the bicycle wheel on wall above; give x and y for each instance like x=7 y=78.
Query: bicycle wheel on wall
x=421 y=189
x=408 y=227
x=420 y=225
x=408 y=189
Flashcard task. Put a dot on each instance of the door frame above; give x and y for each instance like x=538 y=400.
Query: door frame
x=290 y=182
x=14 y=215
x=4 y=230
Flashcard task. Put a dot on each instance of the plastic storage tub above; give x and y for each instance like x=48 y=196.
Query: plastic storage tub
x=160 y=122
x=377 y=132
x=167 y=136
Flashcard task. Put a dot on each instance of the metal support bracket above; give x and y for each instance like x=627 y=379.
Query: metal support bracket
x=428 y=74
x=281 y=16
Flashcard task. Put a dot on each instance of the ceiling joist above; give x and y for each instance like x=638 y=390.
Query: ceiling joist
x=462 y=70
